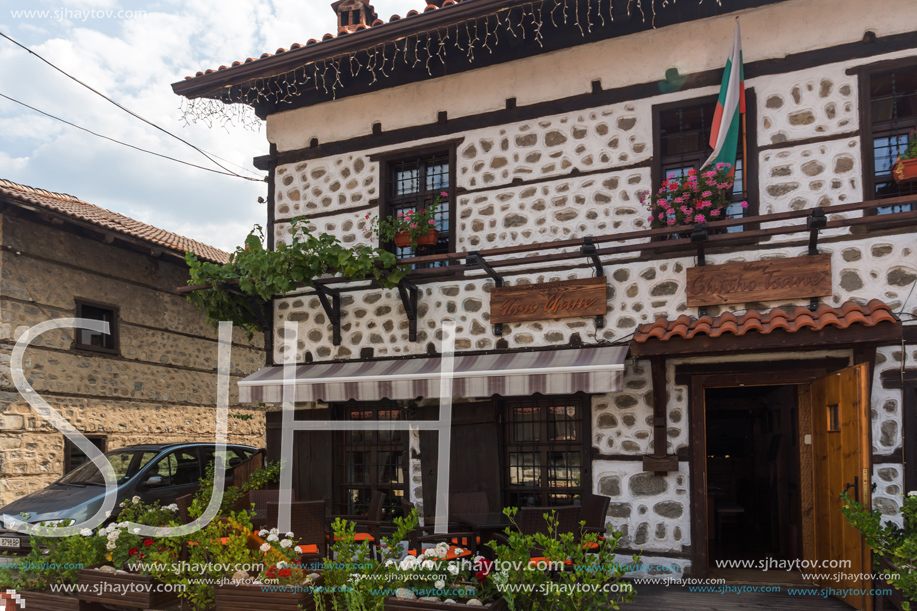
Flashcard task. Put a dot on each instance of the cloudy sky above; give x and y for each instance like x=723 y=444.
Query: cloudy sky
x=133 y=57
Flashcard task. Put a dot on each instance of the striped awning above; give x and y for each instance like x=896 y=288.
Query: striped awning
x=549 y=372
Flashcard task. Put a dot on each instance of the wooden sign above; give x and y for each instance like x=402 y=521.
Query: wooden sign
x=548 y=301
x=771 y=280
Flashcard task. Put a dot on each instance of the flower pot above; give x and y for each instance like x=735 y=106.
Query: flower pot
x=400 y=604
x=46 y=601
x=905 y=170
x=403 y=238
x=247 y=596
x=123 y=589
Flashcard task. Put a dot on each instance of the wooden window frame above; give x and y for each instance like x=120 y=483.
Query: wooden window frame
x=583 y=445
x=750 y=165
x=68 y=447
x=867 y=156
x=389 y=159
x=114 y=327
x=342 y=444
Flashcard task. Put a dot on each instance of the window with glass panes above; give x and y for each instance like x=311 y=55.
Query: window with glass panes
x=892 y=118
x=371 y=460
x=543 y=446
x=684 y=136
x=412 y=185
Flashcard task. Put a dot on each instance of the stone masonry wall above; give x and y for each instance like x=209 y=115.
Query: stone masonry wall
x=162 y=385
x=590 y=167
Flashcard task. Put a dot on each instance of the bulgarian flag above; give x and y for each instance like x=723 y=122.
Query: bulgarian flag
x=724 y=135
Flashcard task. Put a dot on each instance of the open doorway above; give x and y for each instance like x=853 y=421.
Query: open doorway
x=753 y=478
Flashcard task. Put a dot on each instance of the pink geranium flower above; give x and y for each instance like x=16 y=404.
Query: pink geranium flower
x=714 y=213
x=670 y=222
x=700 y=219
x=706 y=194
x=432 y=222
x=413 y=225
x=745 y=204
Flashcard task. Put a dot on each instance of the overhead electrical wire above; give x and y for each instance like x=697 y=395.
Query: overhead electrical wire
x=136 y=148
x=133 y=114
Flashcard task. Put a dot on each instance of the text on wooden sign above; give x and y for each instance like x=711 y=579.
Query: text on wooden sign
x=548 y=301
x=770 y=280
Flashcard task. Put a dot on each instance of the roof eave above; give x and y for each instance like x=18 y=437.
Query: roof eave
x=200 y=86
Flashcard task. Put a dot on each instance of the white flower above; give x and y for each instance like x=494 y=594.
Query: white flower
x=440 y=584
x=459 y=551
x=172 y=507
x=86 y=532
x=103 y=532
x=912 y=493
x=452 y=569
x=265 y=547
x=280 y=564
x=135 y=500
x=110 y=545
x=427 y=564
x=286 y=543
x=388 y=562
x=274 y=531
x=273 y=537
x=121 y=504
x=289 y=535
x=297 y=549
x=262 y=533
x=408 y=563
x=442 y=552
x=442 y=545
x=107 y=514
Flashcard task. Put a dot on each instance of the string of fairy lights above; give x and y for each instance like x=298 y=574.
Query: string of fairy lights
x=233 y=105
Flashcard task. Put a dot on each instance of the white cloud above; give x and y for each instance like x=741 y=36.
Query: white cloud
x=134 y=61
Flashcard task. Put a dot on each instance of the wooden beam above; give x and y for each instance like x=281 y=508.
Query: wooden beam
x=659 y=462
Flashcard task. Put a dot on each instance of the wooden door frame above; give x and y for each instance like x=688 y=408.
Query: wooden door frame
x=700 y=561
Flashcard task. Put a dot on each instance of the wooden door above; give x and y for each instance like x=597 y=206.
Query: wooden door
x=840 y=424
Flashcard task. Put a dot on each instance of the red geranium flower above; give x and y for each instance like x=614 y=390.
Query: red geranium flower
x=486 y=566
x=132 y=551
x=285 y=572
x=148 y=543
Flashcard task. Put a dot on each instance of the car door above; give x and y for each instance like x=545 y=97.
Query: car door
x=174 y=475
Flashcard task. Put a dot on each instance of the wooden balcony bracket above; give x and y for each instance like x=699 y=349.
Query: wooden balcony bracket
x=591 y=251
x=408 y=292
x=474 y=259
x=332 y=309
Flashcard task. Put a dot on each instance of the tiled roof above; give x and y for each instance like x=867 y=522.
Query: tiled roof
x=79 y=210
x=754 y=321
x=329 y=36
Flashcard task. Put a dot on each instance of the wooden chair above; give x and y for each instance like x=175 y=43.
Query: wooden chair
x=371 y=522
x=307 y=523
x=260 y=499
x=416 y=540
x=184 y=505
x=466 y=503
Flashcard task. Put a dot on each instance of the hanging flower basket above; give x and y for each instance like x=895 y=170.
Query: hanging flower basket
x=905 y=170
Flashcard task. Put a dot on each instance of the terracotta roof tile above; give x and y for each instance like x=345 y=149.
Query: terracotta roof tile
x=77 y=209
x=375 y=24
x=755 y=321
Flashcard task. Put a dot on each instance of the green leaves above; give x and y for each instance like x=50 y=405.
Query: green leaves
x=254 y=274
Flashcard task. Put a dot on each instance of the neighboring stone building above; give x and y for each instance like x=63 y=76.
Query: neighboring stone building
x=548 y=121
x=153 y=380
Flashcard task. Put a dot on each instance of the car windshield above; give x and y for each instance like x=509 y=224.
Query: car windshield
x=124 y=463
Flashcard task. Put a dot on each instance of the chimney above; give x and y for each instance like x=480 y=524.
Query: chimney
x=353 y=13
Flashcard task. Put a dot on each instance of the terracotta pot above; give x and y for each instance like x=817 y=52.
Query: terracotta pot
x=403 y=239
x=905 y=170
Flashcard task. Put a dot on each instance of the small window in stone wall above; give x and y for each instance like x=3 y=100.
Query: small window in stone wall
x=412 y=183
x=892 y=116
x=682 y=136
x=543 y=445
x=74 y=457
x=89 y=339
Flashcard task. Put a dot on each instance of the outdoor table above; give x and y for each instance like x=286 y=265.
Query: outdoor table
x=484 y=524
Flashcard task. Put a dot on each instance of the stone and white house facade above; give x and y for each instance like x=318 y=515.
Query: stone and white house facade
x=153 y=381
x=557 y=139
